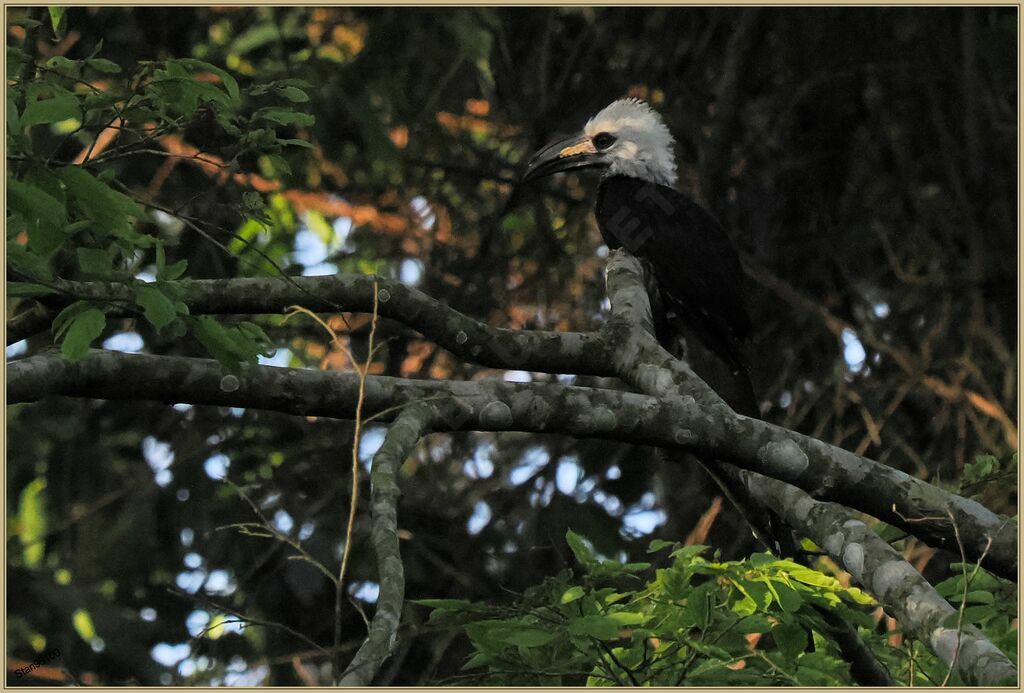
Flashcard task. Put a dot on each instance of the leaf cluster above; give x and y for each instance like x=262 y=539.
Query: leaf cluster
x=697 y=621
x=78 y=219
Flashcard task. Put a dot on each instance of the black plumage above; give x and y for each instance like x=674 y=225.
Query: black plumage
x=698 y=287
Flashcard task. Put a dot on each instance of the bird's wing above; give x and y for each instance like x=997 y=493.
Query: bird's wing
x=697 y=269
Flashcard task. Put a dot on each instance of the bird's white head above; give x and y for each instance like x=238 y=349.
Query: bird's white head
x=627 y=137
x=635 y=140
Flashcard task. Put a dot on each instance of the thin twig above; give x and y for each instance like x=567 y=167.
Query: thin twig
x=963 y=600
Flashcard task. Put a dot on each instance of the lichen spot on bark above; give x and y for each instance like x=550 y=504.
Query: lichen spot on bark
x=496 y=415
x=834 y=543
x=604 y=419
x=663 y=382
x=783 y=459
x=853 y=561
x=944 y=642
x=892 y=575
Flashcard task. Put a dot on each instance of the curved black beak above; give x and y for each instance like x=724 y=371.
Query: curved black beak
x=572 y=152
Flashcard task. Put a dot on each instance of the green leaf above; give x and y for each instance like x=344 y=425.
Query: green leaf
x=814 y=578
x=789 y=599
x=24 y=22
x=572 y=594
x=580 y=548
x=27 y=290
x=253 y=38
x=95 y=262
x=628 y=618
x=477 y=660
x=699 y=603
x=13 y=119
x=757 y=623
x=64 y=65
x=254 y=332
x=44 y=215
x=443 y=604
x=530 y=637
x=295 y=95
x=165 y=272
x=158 y=308
x=229 y=346
x=53 y=110
x=283 y=116
x=174 y=271
x=978 y=614
x=279 y=164
x=74 y=227
x=790 y=638
x=975 y=597
x=860 y=596
x=109 y=209
x=63 y=320
x=103 y=65
x=57 y=19
x=595 y=626
x=229 y=82
x=27 y=262
x=295 y=143
x=81 y=330
x=659 y=544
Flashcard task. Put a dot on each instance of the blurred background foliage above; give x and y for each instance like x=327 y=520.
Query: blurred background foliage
x=862 y=160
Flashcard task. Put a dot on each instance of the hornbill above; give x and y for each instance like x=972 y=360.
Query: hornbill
x=694 y=276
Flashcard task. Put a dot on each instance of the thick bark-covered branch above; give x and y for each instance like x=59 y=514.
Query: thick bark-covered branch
x=622 y=349
x=901 y=590
x=491 y=405
x=825 y=471
x=882 y=571
x=401 y=437
x=472 y=340
x=28 y=323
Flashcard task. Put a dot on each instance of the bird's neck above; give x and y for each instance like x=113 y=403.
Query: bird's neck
x=643 y=170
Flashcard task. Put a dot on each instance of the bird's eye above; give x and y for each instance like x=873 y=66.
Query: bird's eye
x=603 y=140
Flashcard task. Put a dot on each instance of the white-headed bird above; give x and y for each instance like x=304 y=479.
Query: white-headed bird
x=694 y=276
x=698 y=287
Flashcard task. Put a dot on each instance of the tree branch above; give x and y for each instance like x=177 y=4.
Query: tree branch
x=882 y=571
x=871 y=561
x=472 y=340
x=401 y=437
x=711 y=431
x=825 y=471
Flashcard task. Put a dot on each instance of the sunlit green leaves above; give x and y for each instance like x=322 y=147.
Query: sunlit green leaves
x=692 y=624
x=572 y=594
